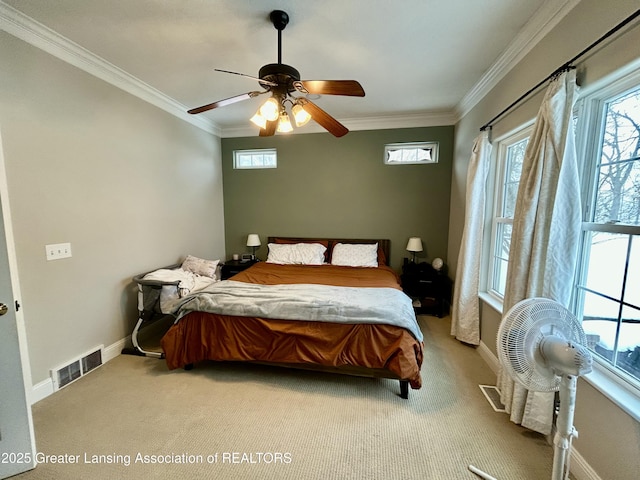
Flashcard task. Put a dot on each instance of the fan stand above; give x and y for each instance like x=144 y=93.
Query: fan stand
x=565 y=431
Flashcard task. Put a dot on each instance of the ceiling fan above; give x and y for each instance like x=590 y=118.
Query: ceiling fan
x=282 y=81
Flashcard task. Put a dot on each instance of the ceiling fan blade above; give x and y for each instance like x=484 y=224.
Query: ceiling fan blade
x=226 y=101
x=265 y=82
x=332 y=125
x=270 y=129
x=330 y=87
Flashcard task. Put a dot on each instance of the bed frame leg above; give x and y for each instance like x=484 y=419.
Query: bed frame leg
x=404 y=389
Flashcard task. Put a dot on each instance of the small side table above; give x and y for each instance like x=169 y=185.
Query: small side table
x=430 y=288
x=232 y=267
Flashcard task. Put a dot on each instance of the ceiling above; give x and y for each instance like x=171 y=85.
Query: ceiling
x=420 y=62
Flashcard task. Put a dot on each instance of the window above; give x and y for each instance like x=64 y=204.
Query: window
x=408 y=153
x=607 y=287
x=509 y=168
x=248 y=159
x=607 y=291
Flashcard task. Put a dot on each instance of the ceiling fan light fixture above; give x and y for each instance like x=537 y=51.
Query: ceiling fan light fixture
x=259 y=120
x=300 y=115
x=270 y=109
x=284 y=125
x=282 y=81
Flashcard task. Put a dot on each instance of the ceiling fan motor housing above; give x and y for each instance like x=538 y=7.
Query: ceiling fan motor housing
x=283 y=75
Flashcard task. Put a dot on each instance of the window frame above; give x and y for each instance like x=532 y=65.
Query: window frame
x=433 y=146
x=603 y=378
x=590 y=110
x=496 y=208
x=254 y=151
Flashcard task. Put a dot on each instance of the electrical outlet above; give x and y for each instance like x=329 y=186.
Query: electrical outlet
x=57 y=251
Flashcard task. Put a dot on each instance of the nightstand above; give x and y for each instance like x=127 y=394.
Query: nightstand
x=430 y=288
x=231 y=267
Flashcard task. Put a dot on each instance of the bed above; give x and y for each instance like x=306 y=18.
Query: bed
x=305 y=314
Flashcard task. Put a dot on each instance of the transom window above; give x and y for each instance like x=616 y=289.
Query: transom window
x=408 y=153
x=248 y=159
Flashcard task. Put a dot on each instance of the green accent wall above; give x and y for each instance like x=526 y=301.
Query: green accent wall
x=340 y=187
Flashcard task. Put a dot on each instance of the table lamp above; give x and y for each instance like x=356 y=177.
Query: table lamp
x=253 y=241
x=414 y=245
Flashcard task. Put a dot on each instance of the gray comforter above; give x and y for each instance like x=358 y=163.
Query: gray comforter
x=305 y=302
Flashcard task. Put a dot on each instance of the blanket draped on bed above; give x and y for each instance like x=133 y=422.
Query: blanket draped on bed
x=309 y=302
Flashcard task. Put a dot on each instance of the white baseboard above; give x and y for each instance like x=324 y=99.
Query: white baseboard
x=43 y=389
x=113 y=350
x=579 y=467
x=489 y=357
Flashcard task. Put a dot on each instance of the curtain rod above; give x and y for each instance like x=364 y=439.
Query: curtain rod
x=565 y=67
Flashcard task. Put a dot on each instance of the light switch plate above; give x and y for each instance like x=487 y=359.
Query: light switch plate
x=56 y=251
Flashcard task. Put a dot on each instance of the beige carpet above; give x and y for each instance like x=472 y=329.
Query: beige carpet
x=232 y=421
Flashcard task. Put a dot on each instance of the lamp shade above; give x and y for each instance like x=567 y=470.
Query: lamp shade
x=300 y=115
x=253 y=240
x=259 y=120
x=270 y=109
x=284 y=125
x=414 y=244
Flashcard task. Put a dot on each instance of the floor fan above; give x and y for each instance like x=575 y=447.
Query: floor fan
x=541 y=345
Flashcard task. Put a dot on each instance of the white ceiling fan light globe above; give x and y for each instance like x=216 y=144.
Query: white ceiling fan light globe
x=300 y=115
x=284 y=125
x=259 y=120
x=270 y=110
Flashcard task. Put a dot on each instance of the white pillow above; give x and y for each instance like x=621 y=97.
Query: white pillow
x=199 y=266
x=296 y=253
x=355 y=255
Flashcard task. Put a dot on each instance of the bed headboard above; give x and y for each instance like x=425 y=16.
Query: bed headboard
x=384 y=244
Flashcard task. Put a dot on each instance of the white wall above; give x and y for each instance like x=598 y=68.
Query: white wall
x=609 y=438
x=130 y=186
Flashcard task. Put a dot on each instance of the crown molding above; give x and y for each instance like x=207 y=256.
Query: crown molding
x=540 y=24
x=427 y=119
x=431 y=119
x=40 y=36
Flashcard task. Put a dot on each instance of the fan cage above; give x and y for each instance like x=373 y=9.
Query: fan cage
x=519 y=336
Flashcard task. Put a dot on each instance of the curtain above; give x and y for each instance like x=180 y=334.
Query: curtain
x=465 y=310
x=546 y=232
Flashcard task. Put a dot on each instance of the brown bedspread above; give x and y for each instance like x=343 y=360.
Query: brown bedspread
x=376 y=350
x=272 y=274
